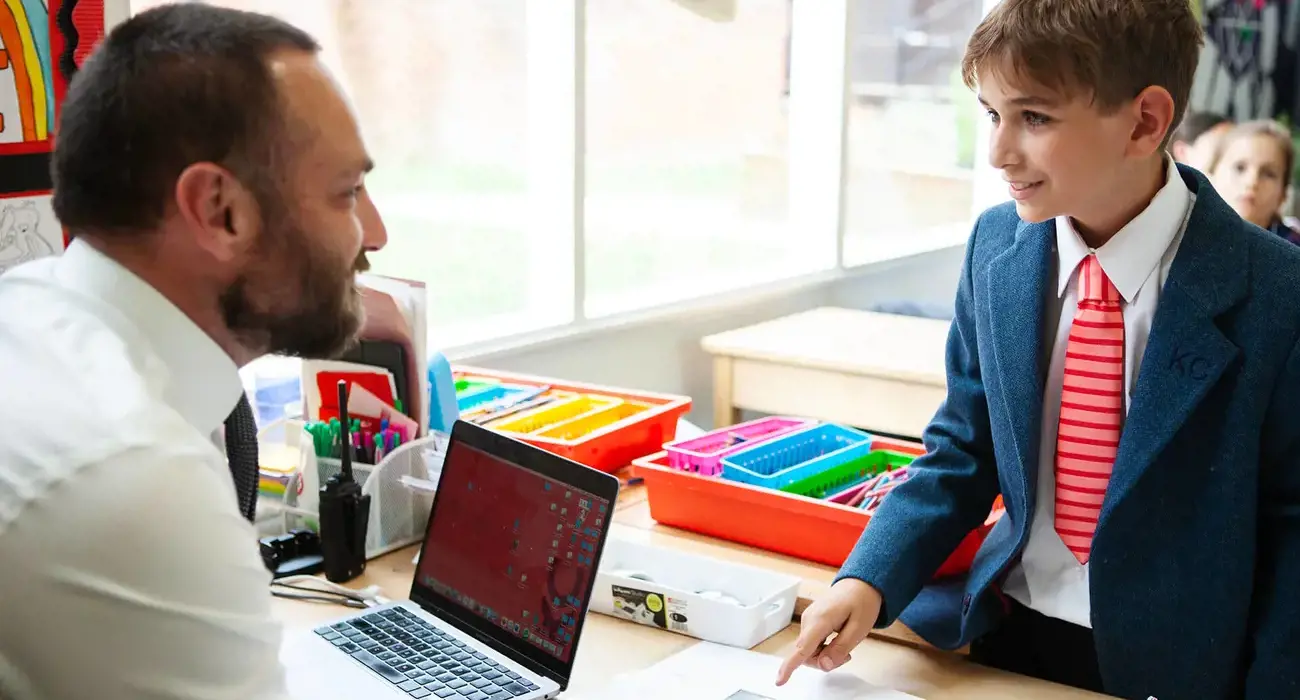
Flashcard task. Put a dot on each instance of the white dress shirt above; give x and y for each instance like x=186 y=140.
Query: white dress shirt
x=126 y=569
x=1048 y=578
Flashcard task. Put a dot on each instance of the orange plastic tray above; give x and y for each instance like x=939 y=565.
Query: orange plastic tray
x=607 y=446
x=812 y=529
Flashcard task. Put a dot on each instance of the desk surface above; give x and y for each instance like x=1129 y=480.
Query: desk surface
x=610 y=646
x=849 y=341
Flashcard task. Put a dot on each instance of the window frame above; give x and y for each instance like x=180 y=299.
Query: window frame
x=818 y=84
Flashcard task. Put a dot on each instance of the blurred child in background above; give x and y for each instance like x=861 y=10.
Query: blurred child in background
x=1198 y=137
x=1252 y=171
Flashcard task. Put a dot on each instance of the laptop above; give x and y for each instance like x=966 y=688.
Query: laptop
x=500 y=590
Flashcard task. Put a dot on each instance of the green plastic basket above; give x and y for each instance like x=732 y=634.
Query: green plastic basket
x=465 y=386
x=842 y=476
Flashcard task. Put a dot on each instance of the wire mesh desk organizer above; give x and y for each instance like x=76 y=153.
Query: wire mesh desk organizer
x=400 y=488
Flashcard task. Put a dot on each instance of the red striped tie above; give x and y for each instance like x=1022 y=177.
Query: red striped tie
x=1092 y=409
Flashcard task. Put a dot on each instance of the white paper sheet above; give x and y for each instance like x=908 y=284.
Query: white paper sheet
x=28 y=230
x=707 y=671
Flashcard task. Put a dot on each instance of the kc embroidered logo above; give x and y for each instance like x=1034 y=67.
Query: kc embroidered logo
x=1189 y=365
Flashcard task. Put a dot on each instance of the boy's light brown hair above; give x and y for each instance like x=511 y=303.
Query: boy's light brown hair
x=1104 y=50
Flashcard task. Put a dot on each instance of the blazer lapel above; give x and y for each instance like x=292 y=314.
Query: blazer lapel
x=1016 y=284
x=1186 y=352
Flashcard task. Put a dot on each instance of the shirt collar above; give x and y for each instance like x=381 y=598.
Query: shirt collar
x=1133 y=253
x=203 y=383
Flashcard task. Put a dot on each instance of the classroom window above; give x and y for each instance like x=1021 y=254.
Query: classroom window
x=442 y=90
x=543 y=163
x=687 y=155
x=911 y=127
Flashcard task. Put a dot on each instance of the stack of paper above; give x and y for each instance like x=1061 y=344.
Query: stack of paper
x=708 y=671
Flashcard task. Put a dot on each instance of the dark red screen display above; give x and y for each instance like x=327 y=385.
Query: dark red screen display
x=513 y=547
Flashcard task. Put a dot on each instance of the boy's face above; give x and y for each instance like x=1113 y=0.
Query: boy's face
x=1058 y=155
x=1249 y=175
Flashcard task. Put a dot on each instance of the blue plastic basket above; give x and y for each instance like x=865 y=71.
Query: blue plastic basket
x=796 y=455
x=491 y=393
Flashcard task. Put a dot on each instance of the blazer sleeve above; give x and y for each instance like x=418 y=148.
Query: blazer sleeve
x=950 y=489
x=1274 y=670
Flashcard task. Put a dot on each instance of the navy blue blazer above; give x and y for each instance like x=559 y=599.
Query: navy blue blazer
x=1195 y=566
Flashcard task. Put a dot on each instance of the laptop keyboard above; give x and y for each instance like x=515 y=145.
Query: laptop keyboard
x=423 y=660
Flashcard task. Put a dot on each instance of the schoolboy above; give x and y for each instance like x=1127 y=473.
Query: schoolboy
x=1124 y=369
x=1197 y=138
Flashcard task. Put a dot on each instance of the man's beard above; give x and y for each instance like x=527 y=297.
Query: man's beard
x=325 y=315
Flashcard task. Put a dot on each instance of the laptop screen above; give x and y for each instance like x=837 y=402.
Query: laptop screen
x=513 y=547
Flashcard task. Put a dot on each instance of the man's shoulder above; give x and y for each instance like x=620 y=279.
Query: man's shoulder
x=74 y=395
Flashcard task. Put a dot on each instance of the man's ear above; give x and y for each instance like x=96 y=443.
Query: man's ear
x=218 y=209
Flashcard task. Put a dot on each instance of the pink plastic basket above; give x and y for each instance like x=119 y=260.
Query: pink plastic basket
x=703 y=454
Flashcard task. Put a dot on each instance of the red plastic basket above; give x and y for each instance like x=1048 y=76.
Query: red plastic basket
x=812 y=529
x=603 y=441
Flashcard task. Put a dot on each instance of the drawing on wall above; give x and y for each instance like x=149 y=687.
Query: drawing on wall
x=27 y=85
x=28 y=230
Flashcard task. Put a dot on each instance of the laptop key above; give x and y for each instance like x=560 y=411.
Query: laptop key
x=482 y=683
x=388 y=672
x=408 y=685
x=516 y=688
x=528 y=684
x=419 y=693
x=445 y=693
x=480 y=695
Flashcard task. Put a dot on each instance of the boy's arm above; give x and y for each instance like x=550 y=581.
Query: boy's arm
x=949 y=490
x=1274 y=670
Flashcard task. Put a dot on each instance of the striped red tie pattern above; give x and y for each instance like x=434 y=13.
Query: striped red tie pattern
x=1092 y=409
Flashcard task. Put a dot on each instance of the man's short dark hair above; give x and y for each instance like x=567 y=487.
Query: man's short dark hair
x=173 y=86
x=1197 y=123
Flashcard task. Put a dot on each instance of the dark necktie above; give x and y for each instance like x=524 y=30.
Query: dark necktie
x=241 y=450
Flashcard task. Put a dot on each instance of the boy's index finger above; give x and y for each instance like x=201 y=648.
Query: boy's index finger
x=809 y=642
x=793 y=661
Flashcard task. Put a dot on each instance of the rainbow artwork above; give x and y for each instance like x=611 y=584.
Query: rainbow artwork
x=27 y=92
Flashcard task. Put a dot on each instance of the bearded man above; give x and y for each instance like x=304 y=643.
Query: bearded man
x=211 y=175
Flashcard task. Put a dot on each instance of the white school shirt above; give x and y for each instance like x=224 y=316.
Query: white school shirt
x=1048 y=578
x=126 y=569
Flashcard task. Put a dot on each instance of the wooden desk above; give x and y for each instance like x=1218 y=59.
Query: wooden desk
x=610 y=646
x=876 y=371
